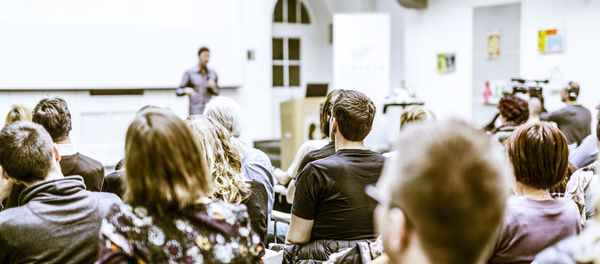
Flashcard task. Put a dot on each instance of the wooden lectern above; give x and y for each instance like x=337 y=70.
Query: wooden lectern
x=296 y=117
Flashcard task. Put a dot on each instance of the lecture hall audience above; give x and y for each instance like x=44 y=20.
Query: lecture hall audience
x=444 y=202
x=168 y=217
x=194 y=193
x=57 y=220
x=54 y=115
x=225 y=166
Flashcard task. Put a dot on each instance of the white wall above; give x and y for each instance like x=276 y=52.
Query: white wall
x=580 y=20
x=115 y=44
x=446 y=26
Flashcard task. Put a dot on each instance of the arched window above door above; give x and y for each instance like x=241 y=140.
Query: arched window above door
x=291 y=11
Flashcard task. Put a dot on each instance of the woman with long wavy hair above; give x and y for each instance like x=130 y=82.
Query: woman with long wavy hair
x=225 y=166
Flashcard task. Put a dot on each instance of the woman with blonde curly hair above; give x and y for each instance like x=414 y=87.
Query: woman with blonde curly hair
x=225 y=165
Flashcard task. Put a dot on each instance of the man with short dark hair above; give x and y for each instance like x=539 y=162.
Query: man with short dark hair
x=574 y=120
x=54 y=115
x=329 y=201
x=199 y=83
x=58 y=221
x=445 y=201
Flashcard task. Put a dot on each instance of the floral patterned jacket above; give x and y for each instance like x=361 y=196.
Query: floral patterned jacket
x=216 y=232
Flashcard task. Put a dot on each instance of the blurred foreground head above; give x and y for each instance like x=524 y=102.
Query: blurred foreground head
x=444 y=202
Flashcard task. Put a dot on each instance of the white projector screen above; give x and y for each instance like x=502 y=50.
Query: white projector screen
x=116 y=44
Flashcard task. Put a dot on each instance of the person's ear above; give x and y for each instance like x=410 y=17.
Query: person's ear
x=334 y=126
x=56 y=154
x=399 y=237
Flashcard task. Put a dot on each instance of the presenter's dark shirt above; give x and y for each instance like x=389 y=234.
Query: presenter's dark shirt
x=198 y=81
x=331 y=191
x=317 y=154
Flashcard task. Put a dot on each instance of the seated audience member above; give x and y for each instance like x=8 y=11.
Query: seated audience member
x=514 y=111
x=411 y=115
x=113 y=182
x=574 y=120
x=167 y=217
x=586 y=153
x=584 y=185
x=58 y=220
x=443 y=203
x=284 y=177
x=256 y=165
x=225 y=165
x=54 y=116
x=534 y=220
x=330 y=202
x=18 y=113
x=323 y=152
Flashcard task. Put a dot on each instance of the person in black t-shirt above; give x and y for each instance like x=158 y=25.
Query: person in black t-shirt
x=330 y=193
x=323 y=152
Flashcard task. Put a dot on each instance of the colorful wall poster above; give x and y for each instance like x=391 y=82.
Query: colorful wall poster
x=494 y=89
x=446 y=63
x=493 y=45
x=550 y=41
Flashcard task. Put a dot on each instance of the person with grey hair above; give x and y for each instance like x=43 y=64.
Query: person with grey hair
x=57 y=220
x=256 y=165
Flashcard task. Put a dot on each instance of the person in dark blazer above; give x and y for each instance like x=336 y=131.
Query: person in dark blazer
x=53 y=114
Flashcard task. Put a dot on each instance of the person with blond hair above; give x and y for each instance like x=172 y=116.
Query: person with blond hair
x=18 y=112
x=256 y=165
x=168 y=217
x=225 y=166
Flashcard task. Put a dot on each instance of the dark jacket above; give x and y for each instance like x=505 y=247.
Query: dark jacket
x=89 y=169
x=113 y=183
x=57 y=221
x=257 y=210
x=317 y=251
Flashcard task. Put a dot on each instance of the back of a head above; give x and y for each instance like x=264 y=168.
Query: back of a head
x=53 y=114
x=223 y=159
x=573 y=90
x=354 y=113
x=165 y=167
x=18 y=113
x=227 y=112
x=539 y=155
x=514 y=109
x=326 y=110
x=26 y=151
x=413 y=114
x=451 y=189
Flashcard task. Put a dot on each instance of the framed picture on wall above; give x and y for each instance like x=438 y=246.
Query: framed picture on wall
x=493 y=45
x=550 y=41
x=446 y=63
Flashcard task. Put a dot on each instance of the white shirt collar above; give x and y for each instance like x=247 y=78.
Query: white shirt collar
x=66 y=149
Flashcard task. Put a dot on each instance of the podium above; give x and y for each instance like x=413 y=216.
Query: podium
x=296 y=116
